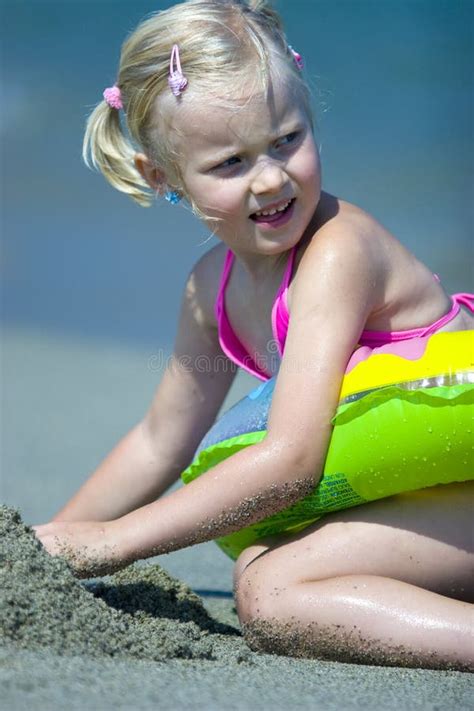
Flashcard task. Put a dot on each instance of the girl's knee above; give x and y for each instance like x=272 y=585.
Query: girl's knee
x=255 y=590
x=265 y=586
x=247 y=556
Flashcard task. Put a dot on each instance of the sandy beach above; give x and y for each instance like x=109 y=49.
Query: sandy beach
x=140 y=639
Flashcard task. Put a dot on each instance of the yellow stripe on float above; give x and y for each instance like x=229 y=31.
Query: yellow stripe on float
x=445 y=353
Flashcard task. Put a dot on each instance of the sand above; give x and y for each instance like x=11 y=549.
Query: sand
x=141 y=639
x=140 y=612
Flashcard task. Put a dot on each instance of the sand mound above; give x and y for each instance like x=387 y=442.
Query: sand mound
x=140 y=612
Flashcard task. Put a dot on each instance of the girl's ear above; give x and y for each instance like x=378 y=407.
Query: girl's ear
x=155 y=177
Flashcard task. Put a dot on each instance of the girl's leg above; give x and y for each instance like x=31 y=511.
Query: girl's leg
x=387 y=583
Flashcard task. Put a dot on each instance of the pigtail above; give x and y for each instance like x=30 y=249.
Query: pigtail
x=106 y=148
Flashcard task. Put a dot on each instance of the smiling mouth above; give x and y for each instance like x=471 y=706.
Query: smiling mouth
x=273 y=214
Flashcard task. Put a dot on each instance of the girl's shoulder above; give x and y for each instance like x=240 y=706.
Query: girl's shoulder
x=404 y=292
x=351 y=240
x=342 y=220
x=343 y=229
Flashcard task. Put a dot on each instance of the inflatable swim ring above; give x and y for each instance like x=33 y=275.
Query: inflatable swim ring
x=404 y=422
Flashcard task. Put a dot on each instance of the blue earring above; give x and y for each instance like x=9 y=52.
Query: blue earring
x=172 y=197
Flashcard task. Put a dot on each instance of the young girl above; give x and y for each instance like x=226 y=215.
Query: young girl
x=219 y=114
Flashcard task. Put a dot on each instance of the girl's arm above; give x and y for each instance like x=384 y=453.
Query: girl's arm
x=340 y=281
x=154 y=453
x=337 y=287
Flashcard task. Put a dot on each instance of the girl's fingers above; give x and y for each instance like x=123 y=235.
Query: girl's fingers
x=88 y=547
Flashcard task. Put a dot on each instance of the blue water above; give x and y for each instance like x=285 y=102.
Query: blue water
x=393 y=84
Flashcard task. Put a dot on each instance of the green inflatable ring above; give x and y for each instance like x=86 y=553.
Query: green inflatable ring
x=404 y=422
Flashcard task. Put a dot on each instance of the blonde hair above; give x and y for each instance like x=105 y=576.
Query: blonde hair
x=218 y=41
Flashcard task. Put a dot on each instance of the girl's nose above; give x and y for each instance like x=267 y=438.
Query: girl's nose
x=268 y=177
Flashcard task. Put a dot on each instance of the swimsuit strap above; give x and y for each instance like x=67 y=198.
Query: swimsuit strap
x=230 y=344
x=288 y=272
x=229 y=258
x=464 y=299
x=378 y=338
x=229 y=341
x=280 y=313
x=229 y=261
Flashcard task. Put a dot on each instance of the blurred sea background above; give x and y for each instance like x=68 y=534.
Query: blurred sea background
x=91 y=282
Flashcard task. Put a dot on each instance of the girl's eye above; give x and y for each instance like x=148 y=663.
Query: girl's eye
x=289 y=138
x=233 y=160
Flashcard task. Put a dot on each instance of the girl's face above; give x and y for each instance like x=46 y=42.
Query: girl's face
x=255 y=168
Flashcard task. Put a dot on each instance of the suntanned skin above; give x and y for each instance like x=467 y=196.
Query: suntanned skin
x=396 y=569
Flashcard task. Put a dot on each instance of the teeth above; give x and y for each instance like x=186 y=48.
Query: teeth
x=269 y=213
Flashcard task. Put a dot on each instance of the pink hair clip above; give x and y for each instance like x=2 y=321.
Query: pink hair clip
x=176 y=80
x=113 y=96
x=297 y=57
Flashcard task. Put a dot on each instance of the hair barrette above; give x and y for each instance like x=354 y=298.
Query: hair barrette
x=176 y=80
x=297 y=57
x=113 y=97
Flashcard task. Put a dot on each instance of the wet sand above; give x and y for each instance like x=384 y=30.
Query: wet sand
x=141 y=638
x=67 y=644
x=140 y=612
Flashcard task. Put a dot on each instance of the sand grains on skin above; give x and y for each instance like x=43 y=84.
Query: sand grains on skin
x=140 y=612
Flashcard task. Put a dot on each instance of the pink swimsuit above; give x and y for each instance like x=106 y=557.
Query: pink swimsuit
x=236 y=351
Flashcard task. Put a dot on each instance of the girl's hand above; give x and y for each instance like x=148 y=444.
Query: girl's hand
x=91 y=547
